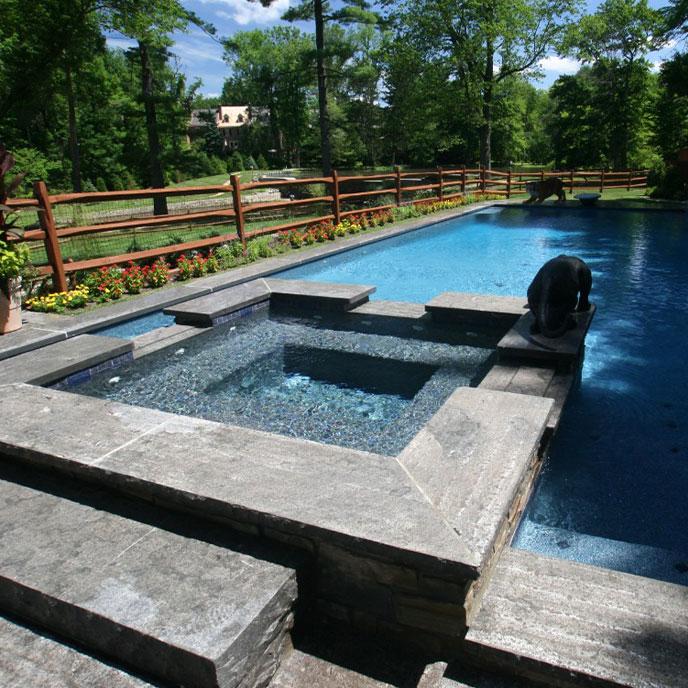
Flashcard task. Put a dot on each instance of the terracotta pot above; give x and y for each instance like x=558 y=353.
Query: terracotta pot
x=10 y=309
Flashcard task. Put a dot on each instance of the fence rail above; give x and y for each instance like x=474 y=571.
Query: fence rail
x=438 y=183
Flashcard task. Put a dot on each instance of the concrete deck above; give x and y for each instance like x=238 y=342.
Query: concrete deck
x=573 y=624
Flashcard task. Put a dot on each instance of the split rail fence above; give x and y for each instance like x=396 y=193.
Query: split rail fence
x=61 y=218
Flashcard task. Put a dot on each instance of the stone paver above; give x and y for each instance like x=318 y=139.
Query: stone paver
x=462 y=307
x=57 y=361
x=576 y=623
x=321 y=295
x=33 y=658
x=519 y=343
x=323 y=491
x=180 y=601
x=471 y=459
x=202 y=312
x=28 y=338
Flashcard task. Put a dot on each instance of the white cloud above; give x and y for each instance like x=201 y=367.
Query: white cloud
x=195 y=50
x=244 y=12
x=559 y=65
x=656 y=65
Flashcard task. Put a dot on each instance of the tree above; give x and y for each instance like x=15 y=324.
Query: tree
x=486 y=43
x=615 y=41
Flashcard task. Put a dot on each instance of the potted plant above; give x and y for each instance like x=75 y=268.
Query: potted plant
x=14 y=256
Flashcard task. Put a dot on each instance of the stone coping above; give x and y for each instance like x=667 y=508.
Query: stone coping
x=462 y=307
x=59 y=360
x=574 y=624
x=69 y=326
x=317 y=295
x=366 y=502
x=205 y=310
x=519 y=343
x=181 y=600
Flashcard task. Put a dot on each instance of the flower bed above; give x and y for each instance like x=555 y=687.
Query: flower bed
x=112 y=283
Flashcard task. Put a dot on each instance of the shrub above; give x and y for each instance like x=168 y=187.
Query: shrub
x=198 y=265
x=105 y=284
x=59 y=302
x=212 y=264
x=133 y=278
x=158 y=274
x=184 y=267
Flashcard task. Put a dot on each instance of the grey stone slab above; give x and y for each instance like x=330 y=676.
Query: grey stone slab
x=202 y=311
x=451 y=306
x=300 y=487
x=57 y=361
x=325 y=295
x=390 y=309
x=472 y=457
x=459 y=675
x=576 y=623
x=499 y=377
x=28 y=338
x=531 y=380
x=519 y=343
x=33 y=658
x=51 y=424
x=103 y=572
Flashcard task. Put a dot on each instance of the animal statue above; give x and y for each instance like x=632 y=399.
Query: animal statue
x=541 y=190
x=562 y=285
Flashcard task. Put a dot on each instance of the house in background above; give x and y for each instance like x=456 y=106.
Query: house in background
x=229 y=119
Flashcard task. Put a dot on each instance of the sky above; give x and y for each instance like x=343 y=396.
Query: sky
x=199 y=56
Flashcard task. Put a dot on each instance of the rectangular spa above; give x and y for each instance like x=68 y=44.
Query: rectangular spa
x=301 y=378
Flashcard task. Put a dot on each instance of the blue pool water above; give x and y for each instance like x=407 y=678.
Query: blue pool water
x=614 y=490
x=137 y=326
x=300 y=378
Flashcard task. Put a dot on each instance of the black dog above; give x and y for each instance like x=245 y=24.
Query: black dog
x=553 y=294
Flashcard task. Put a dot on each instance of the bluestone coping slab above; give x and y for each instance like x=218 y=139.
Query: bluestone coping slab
x=564 y=620
x=390 y=309
x=471 y=458
x=61 y=359
x=329 y=295
x=202 y=311
x=519 y=343
x=162 y=337
x=107 y=573
x=358 y=499
x=28 y=338
x=451 y=306
x=32 y=658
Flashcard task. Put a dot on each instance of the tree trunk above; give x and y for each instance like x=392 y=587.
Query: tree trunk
x=325 y=151
x=74 y=154
x=157 y=178
x=486 y=130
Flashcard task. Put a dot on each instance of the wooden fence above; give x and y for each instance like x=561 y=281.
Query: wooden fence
x=437 y=184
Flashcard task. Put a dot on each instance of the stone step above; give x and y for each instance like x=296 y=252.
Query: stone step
x=33 y=657
x=320 y=295
x=573 y=624
x=178 y=599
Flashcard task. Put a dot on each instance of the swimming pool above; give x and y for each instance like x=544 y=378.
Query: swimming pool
x=613 y=491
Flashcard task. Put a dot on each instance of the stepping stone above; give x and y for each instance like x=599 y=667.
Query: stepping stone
x=563 y=621
x=318 y=295
x=208 y=310
x=165 y=595
x=461 y=307
x=60 y=360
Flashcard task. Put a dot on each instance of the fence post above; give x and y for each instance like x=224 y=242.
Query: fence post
x=335 y=197
x=463 y=180
x=629 y=180
x=601 y=181
x=52 y=243
x=440 y=191
x=482 y=178
x=570 y=182
x=397 y=184
x=508 y=183
x=238 y=211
